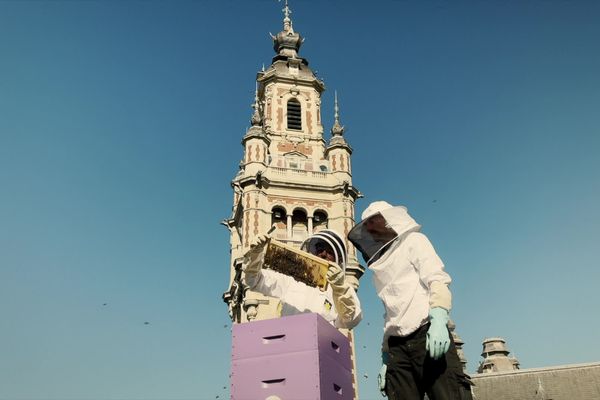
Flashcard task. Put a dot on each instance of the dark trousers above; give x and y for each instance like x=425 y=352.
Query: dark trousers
x=411 y=373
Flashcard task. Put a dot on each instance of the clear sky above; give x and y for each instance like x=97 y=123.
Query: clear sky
x=120 y=129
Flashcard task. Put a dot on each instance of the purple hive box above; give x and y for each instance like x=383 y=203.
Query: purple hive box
x=299 y=357
x=302 y=375
x=294 y=333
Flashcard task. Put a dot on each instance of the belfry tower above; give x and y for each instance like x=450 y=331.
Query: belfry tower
x=291 y=180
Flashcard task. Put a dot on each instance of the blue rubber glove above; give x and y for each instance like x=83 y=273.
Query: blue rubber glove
x=438 y=338
x=381 y=377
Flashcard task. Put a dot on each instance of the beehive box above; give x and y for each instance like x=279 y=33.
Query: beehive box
x=290 y=334
x=294 y=357
x=291 y=376
x=300 y=265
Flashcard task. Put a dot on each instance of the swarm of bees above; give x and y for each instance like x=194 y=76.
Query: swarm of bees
x=303 y=267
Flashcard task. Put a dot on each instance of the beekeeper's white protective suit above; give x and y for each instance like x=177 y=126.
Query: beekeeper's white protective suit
x=408 y=275
x=338 y=304
x=419 y=357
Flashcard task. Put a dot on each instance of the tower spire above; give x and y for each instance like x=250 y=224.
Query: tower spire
x=256 y=118
x=336 y=108
x=338 y=129
x=287 y=21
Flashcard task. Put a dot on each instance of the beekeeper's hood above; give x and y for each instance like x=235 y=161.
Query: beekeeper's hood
x=381 y=224
x=333 y=240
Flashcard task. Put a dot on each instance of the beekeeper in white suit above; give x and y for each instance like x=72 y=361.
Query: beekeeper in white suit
x=418 y=354
x=338 y=304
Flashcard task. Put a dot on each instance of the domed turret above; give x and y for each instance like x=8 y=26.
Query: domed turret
x=287 y=42
x=496 y=357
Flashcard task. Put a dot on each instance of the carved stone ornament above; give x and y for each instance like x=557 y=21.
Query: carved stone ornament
x=296 y=140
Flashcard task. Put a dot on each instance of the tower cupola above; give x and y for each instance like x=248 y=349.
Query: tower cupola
x=496 y=357
x=287 y=42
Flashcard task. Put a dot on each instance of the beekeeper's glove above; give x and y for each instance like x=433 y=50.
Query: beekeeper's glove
x=344 y=297
x=382 y=371
x=253 y=259
x=335 y=277
x=438 y=337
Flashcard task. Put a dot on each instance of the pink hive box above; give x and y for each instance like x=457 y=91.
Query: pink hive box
x=302 y=332
x=299 y=357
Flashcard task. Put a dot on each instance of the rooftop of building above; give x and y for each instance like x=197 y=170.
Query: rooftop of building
x=562 y=382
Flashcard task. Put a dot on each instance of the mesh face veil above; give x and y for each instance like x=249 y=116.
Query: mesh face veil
x=381 y=225
x=371 y=236
x=330 y=239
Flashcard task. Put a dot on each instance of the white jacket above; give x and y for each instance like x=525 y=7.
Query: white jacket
x=402 y=278
x=296 y=298
x=409 y=277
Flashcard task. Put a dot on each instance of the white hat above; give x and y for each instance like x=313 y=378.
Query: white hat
x=375 y=207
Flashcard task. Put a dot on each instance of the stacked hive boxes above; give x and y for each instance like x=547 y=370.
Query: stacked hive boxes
x=289 y=358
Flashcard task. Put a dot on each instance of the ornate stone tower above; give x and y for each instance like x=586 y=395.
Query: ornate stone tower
x=496 y=357
x=291 y=180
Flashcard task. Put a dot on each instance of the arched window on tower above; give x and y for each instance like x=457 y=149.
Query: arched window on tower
x=319 y=221
x=294 y=115
x=299 y=225
x=278 y=220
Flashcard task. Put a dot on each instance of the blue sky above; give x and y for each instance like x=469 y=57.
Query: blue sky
x=120 y=129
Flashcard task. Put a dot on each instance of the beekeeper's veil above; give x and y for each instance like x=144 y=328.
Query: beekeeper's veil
x=381 y=224
x=333 y=240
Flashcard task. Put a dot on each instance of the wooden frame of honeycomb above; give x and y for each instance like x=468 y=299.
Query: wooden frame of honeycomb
x=300 y=265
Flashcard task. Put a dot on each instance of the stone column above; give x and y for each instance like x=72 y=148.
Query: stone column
x=289 y=226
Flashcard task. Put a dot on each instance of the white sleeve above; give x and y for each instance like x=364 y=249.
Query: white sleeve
x=269 y=283
x=348 y=308
x=440 y=296
x=431 y=270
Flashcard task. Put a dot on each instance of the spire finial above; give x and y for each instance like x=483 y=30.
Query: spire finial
x=336 y=108
x=256 y=119
x=287 y=21
x=337 y=129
